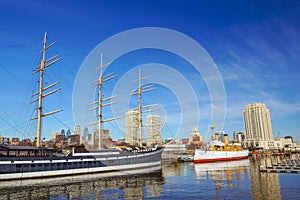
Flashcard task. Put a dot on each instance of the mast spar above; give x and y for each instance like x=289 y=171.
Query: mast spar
x=141 y=89
x=99 y=103
x=41 y=68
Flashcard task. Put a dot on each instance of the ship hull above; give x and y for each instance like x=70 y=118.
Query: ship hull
x=202 y=156
x=41 y=167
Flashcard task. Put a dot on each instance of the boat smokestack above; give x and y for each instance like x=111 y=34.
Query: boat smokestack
x=234 y=136
x=226 y=139
x=217 y=136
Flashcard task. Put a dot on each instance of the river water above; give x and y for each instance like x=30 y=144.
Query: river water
x=222 y=180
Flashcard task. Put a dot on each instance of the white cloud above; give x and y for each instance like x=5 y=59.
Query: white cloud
x=283 y=108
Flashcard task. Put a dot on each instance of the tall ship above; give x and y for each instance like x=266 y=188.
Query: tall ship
x=217 y=150
x=27 y=162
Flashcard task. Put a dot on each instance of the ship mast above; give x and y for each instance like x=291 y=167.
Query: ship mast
x=140 y=124
x=212 y=127
x=138 y=92
x=99 y=117
x=41 y=68
x=99 y=103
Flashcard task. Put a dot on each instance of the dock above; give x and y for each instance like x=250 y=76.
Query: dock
x=282 y=166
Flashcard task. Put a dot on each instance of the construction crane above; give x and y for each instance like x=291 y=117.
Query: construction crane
x=278 y=134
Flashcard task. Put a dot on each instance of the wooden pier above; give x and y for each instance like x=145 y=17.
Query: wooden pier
x=286 y=165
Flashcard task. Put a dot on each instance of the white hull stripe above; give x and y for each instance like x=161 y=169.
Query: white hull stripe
x=74 y=160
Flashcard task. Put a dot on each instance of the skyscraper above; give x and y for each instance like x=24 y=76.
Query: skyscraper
x=78 y=131
x=153 y=134
x=258 y=126
x=131 y=127
x=68 y=134
x=85 y=134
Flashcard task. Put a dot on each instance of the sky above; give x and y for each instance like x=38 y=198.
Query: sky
x=255 y=46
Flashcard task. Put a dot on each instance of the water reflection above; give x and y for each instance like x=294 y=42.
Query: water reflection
x=264 y=185
x=130 y=186
x=231 y=175
x=224 y=170
x=175 y=169
x=222 y=180
x=225 y=175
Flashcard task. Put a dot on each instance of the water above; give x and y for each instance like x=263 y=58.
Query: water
x=224 y=180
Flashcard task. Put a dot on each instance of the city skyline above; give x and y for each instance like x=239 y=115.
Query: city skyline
x=255 y=46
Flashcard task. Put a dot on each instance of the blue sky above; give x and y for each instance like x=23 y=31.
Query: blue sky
x=255 y=45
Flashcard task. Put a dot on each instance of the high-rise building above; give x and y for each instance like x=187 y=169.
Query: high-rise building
x=85 y=134
x=53 y=136
x=78 y=131
x=68 y=134
x=258 y=126
x=131 y=127
x=153 y=134
x=105 y=138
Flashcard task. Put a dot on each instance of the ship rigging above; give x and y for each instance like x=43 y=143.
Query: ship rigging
x=45 y=63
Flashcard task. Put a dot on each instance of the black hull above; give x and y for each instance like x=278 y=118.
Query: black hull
x=113 y=161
